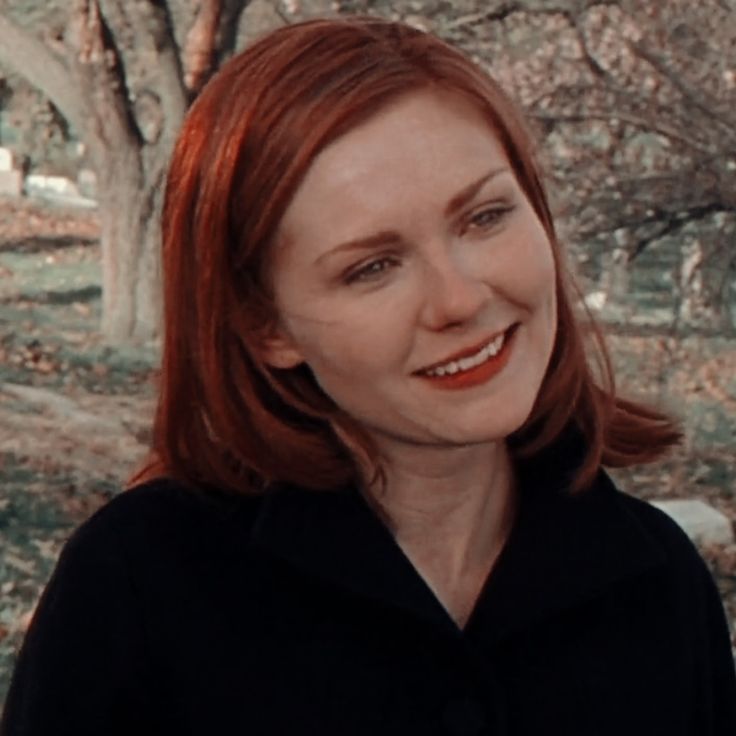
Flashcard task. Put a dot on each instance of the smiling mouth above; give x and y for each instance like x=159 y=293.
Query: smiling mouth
x=475 y=368
x=488 y=350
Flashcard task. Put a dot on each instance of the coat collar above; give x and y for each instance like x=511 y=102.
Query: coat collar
x=562 y=551
x=336 y=536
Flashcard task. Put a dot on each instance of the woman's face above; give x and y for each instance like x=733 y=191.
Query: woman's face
x=408 y=245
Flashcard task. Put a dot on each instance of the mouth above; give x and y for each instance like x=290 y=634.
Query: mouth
x=474 y=365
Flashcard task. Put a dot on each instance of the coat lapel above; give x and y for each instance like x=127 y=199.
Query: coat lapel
x=336 y=536
x=562 y=551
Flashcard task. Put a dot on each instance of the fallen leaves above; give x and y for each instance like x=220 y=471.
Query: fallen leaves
x=25 y=223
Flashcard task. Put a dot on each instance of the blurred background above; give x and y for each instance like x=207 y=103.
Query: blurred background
x=633 y=103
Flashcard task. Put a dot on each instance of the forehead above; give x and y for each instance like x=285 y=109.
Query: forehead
x=423 y=146
x=425 y=126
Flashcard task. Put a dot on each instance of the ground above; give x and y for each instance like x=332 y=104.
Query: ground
x=75 y=415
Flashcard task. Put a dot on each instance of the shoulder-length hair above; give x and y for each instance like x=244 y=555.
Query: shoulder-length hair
x=226 y=419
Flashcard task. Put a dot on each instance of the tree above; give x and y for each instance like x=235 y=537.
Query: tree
x=122 y=73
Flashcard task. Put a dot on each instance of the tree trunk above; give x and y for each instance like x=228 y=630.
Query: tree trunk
x=149 y=295
x=130 y=278
x=696 y=308
x=129 y=210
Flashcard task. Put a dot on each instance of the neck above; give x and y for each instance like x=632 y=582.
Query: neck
x=450 y=512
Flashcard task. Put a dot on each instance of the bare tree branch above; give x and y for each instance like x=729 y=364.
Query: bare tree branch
x=662 y=224
x=112 y=132
x=33 y=60
x=501 y=11
x=171 y=87
x=283 y=16
x=656 y=125
x=199 y=49
x=228 y=31
x=152 y=27
x=698 y=99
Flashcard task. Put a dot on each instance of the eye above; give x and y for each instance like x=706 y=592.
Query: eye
x=487 y=217
x=370 y=271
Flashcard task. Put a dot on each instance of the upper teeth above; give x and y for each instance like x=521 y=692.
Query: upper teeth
x=465 y=364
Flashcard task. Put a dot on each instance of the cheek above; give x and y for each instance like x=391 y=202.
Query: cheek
x=547 y=282
x=546 y=295
x=347 y=332
x=537 y=263
x=546 y=304
x=528 y=271
x=341 y=348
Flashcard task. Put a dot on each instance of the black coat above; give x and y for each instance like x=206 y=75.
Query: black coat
x=174 y=612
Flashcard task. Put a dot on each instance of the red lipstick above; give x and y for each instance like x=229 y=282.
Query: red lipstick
x=480 y=373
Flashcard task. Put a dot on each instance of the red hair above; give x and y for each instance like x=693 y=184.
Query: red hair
x=226 y=419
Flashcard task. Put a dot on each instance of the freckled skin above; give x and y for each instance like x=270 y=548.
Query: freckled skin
x=448 y=283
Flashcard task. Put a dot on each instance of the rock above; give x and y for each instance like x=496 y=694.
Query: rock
x=38 y=183
x=87 y=183
x=596 y=300
x=11 y=183
x=6 y=159
x=56 y=189
x=701 y=522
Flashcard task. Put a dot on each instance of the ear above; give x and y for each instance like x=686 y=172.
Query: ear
x=278 y=350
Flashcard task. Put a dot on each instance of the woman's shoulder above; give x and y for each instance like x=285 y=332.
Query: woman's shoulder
x=679 y=550
x=655 y=521
x=164 y=513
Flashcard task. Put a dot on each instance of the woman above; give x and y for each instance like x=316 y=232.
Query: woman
x=375 y=503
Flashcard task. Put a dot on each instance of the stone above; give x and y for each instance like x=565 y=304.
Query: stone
x=6 y=159
x=11 y=183
x=700 y=521
x=87 y=183
x=59 y=185
x=596 y=300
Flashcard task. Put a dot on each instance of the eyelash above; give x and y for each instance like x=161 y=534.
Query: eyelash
x=497 y=214
x=364 y=273
x=368 y=271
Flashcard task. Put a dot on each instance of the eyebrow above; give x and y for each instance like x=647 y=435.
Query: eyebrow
x=466 y=195
x=391 y=237
x=385 y=237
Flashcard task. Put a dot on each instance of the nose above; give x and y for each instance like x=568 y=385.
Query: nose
x=454 y=291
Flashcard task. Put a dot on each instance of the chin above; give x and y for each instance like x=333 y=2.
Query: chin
x=486 y=435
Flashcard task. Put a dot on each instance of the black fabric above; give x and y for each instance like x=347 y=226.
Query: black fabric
x=175 y=612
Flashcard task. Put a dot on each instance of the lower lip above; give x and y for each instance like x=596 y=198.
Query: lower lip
x=481 y=373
